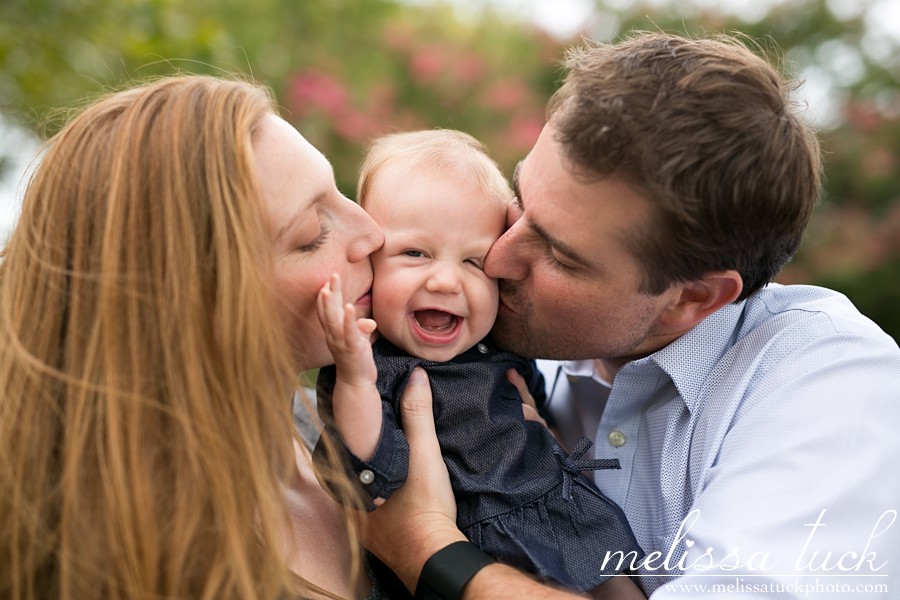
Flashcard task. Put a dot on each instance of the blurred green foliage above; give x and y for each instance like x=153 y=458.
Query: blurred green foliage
x=347 y=70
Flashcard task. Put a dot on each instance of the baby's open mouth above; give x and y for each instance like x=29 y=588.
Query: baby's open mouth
x=436 y=321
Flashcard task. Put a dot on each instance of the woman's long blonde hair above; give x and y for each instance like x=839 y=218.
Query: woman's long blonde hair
x=145 y=419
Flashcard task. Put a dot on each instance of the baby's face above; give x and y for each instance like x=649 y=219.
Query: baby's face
x=430 y=296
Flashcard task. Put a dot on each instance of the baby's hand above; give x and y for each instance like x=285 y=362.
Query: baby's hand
x=347 y=337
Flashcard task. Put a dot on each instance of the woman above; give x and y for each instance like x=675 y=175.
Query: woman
x=156 y=303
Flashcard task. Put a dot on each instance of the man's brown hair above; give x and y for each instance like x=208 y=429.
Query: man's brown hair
x=707 y=131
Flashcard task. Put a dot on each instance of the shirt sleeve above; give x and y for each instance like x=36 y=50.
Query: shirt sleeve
x=387 y=470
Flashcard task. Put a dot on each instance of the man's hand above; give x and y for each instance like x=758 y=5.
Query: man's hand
x=529 y=408
x=420 y=518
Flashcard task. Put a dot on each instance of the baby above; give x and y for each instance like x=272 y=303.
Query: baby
x=442 y=202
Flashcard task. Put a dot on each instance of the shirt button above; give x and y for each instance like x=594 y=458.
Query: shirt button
x=616 y=438
x=366 y=476
x=482 y=348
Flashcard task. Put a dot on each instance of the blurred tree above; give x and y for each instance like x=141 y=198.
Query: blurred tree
x=54 y=51
x=427 y=69
x=345 y=70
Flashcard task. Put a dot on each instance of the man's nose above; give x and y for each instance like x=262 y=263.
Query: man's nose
x=507 y=257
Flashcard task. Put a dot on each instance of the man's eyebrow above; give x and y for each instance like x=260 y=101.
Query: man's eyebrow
x=555 y=243
x=558 y=245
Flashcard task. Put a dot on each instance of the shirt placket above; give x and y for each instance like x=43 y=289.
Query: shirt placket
x=617 y=436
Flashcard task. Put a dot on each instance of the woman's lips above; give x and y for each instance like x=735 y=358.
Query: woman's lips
x=363 y=305
x=365 y=299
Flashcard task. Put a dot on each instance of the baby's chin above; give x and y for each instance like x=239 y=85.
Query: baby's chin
x=435 y=352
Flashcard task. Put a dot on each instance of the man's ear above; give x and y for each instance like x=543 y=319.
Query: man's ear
x=695 y=300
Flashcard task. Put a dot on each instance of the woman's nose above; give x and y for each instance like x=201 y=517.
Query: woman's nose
x=365 y=235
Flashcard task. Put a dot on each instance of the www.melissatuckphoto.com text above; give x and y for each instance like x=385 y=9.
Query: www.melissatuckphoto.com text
x=805 y=587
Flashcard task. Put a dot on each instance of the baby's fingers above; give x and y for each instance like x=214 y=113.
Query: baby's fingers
x=366 y=327
x=322 y=300
x=351 y=332
x=332 y=299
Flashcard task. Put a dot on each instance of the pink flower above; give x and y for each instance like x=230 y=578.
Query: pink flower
x=381 y=99
x=863 y=115
x=879 y=161
x=523 y=130
x=313 y=89
x=506 y=93
x=427 y=64
x=469 y=68
x=353 y=126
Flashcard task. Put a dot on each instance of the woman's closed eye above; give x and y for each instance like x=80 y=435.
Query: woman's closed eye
x=317 y=243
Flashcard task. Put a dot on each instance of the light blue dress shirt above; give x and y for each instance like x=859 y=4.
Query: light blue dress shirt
x=760 y=451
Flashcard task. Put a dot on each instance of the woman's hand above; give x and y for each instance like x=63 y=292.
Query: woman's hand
x=420 y=518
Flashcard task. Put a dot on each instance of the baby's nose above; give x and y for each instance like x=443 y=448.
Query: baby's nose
x=444 y=279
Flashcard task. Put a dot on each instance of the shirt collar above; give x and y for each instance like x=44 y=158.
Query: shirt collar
x=578 y=368
x=690 y=359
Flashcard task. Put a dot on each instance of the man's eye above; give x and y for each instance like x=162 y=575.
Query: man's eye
x=555 y=263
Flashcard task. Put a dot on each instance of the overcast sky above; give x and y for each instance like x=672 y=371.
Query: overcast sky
x=19 y=146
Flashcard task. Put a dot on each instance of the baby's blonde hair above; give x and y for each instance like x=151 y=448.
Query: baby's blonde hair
x=442 y=150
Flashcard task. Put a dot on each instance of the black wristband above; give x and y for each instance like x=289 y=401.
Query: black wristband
x=449 y=569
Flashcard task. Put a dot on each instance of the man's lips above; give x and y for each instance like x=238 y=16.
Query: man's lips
x=504 y=307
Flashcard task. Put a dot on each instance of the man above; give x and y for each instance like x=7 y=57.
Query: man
x=756 y=424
